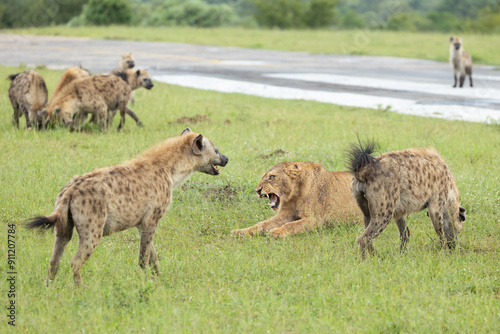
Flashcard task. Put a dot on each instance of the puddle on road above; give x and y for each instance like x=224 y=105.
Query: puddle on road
x=403 y=106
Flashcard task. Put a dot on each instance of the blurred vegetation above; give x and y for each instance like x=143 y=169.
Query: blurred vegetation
x=479 y=16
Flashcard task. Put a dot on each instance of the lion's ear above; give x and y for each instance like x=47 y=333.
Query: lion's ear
x=293 y=170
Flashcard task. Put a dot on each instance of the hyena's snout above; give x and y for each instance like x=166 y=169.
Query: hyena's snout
x=223 y=160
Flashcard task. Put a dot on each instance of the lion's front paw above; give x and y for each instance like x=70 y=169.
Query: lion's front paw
x=278 y=233
x=244 y=232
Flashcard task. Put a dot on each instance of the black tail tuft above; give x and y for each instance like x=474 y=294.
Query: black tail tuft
x=40 y=222
x=359 y=155
x=12 y=76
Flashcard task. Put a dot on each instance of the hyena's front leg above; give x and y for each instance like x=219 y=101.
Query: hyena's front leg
x=153 y=260
x=134 y=117
x=435 y=210
x=462 y=79
x=262 y=227
x=455 y=77
x=147 y=230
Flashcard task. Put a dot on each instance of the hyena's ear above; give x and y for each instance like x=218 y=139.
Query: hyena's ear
x=197 y=145
x=451 y=38
x=461 y=214
x=186 y=130
x=137 y=73
x=293 y=171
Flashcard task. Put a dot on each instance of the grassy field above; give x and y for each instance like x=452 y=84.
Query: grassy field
x=215 y=283
x=433 y=46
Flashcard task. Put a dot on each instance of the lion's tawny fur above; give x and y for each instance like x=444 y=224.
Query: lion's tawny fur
x=395 y=184
x=28 y=96
x=309 y=197
x=134 y=194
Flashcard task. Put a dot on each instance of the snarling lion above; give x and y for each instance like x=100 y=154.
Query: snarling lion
x=305 y=196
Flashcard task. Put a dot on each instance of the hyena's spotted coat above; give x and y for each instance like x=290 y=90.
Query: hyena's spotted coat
x=395 y=184
x=134 y=194
x=28 y=96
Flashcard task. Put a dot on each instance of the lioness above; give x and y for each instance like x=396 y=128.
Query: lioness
x=306 y=196
x=136 y=193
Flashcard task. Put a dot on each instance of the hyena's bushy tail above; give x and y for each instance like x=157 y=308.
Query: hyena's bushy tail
x=58 y=219
x=360 y=155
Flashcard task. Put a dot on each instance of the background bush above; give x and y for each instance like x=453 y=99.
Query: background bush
x=450 y=16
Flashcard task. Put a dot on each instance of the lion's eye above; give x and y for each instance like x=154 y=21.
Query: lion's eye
x=271 y=177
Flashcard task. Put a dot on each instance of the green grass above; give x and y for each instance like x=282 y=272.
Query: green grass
x=214 y=283
x=433 y=46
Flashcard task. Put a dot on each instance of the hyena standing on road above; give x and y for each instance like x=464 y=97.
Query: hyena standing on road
x=460 y=60
x=28 y=96
x=134 y=194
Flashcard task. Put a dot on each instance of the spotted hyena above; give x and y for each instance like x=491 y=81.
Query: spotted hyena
x=100 y=95
x=460 y=61
x=28 y=96
x=68 y=76
x=126 y=63
x=134 y=194
x=395 y=184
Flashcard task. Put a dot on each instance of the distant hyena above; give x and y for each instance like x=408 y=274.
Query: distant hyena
x=127 y=62
x=395 y=184
x=460 y=60
x=136 y=193
x=100 y=95
x=28 y=96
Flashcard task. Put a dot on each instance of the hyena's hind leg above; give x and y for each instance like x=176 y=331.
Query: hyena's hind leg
x=17 y=113
x=381 y=210
x=62 y=239
x=404 y=233
x=358 y=190
x=90 y=232
x=468 y=71
x=25 y=107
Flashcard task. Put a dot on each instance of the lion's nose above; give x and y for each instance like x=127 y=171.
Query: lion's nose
x=258 y=190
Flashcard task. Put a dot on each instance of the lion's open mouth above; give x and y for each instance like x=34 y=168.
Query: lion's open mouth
x=274 y=201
